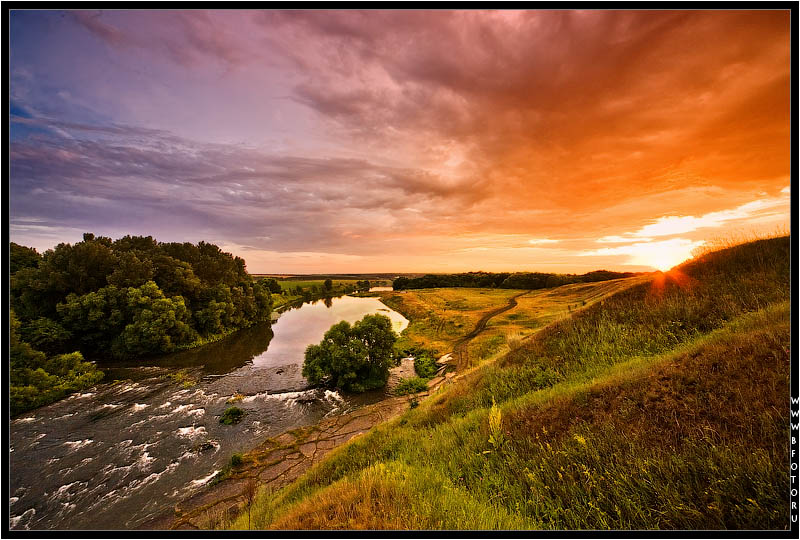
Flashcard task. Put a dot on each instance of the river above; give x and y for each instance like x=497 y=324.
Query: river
x=122 y=452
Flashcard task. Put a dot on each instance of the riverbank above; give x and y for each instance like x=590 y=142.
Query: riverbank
x=279 y=461
x=153 y=438
x=616 y=417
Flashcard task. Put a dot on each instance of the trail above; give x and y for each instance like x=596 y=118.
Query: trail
x=461 y=350
x=281 y=460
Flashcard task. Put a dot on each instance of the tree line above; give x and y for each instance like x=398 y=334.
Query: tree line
x=505 y=280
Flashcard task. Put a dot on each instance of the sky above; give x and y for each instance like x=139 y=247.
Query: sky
x=312 y=141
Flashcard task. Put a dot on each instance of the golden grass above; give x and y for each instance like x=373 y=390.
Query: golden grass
x=663 y=406
x=440 y=317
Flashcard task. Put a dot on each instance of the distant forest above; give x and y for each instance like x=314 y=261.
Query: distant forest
x=131 y=297
x=505 y=280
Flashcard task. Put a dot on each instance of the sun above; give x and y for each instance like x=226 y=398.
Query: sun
x=664 y=254
x=664 y=261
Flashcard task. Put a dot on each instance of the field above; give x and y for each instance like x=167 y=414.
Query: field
x=442 y=318
x=662 y=406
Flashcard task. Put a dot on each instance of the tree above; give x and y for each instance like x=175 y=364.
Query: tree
x=46 y=335
x=22 y=257
x=273 y=285
x=328 y=284
x=400 y=283
x=131 y=271
x=354 y=358
x=132 y=296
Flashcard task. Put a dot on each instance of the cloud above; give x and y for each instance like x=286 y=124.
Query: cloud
x=675 y=225
x=274 y=201
x=434 y=133
x=542 y=241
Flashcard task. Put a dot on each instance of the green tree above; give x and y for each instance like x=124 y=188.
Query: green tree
x=157 y=324
x=46 y=335
x=81 y=295
x=273 y=285
x=22 y=257
x=354 y=358
x=35 y=379
x=328 y=284
x=131 y=271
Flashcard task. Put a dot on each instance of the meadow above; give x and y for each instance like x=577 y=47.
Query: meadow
x=661 y=406
x=440 y=319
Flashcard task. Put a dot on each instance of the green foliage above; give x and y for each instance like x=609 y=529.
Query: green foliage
x=273 y=285
x=411 y=385
x=355 y=358
x=22 y=257
x=37 y=380
x=134 y=296
x=496 y=436
x=362 y=285
x=232 y=415
x=46 y=335
x=182 y=377
x=425 y=366
x=328 y=284
x=236 y=459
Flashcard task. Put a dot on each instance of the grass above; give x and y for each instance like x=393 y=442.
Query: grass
x=412 y=385
x=232 y=415
x=440 y=317
x=663 y=406
x=183 y=378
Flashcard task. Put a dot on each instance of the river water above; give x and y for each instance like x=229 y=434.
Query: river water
x=124 y=451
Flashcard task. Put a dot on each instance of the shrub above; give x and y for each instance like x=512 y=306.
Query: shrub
x=232 y=415
x=236 y=459
x=411 y=386
x=425 y=366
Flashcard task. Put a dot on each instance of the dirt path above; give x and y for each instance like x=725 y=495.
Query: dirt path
x=461 y=350
x=281 y=460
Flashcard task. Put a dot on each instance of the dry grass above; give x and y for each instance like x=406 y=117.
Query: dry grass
x=440 y=317
x=663 y=406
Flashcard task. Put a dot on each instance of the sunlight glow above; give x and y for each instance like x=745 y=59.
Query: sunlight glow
x=659 y=255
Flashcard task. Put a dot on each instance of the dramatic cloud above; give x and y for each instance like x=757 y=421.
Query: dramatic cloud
x=315 y=140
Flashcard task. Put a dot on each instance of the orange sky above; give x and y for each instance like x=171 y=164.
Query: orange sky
x=376 y=141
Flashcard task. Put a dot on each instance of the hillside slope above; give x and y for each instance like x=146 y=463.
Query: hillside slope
x=663 y=406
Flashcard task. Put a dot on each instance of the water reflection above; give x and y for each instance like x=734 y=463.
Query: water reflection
x=298 y=328
x=216 y=358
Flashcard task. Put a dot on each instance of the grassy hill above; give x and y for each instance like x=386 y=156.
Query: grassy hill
x=663 y=406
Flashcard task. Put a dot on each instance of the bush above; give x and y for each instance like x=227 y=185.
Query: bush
x=232 y=415
x=411 y=386
x=425 y=366
x=354 y=358
x=236 y=459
